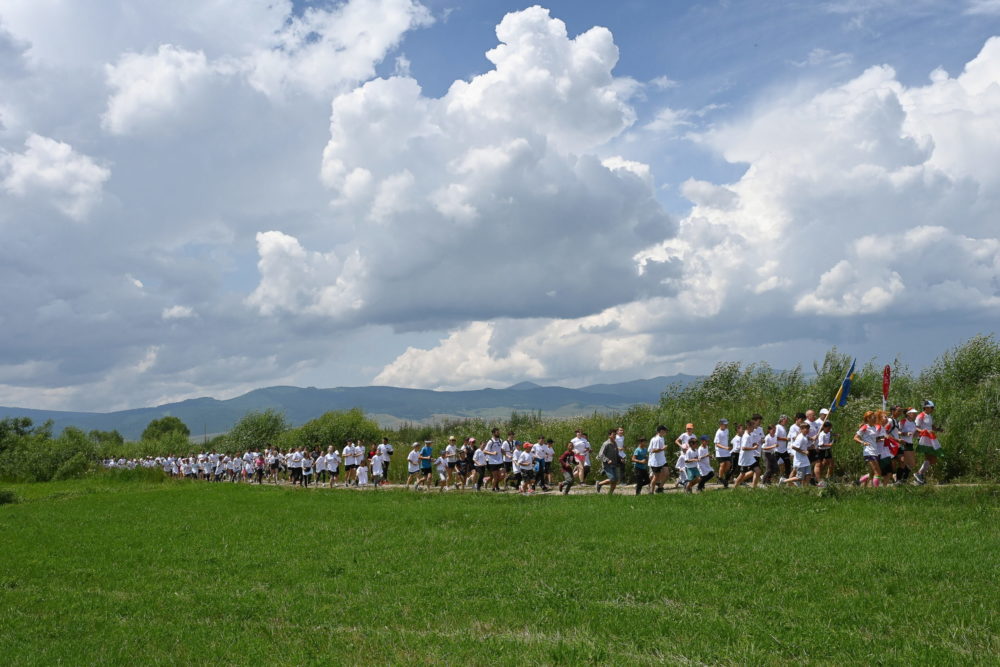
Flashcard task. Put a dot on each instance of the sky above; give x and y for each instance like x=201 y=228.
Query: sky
x=199 y=199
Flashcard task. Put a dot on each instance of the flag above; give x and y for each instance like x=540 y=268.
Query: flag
x=845 y=389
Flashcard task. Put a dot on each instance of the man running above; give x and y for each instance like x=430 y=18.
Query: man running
x=928 y=444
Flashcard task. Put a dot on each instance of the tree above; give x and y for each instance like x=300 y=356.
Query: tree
x=256 y=430
x=164 y=425
x=336 y=428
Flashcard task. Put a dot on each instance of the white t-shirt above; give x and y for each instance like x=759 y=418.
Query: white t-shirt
x=450 y=453
x=413 y=461
x=581 y=446
x=801 y=442
x=704 y=465
x=691 y=458
x=683 y=439
x=509 y=449
x=333 y=460
x=550 y=453
x=295 y=460
x=493 y=451
x=781 y=435
x=478 y=458
x=824 y=440
x=362 y=475
x=721 y=441
x=793 y=432
x=383 y=452
x=657 y=451
x=538 y=451
x=770 y=444
x=441 y=464
x=748 y=450
x=349 y=456
x=925 y=422
x=320 y=463
x=377 y=466
x=814 y=428
x=907 y=429
x=525 y=461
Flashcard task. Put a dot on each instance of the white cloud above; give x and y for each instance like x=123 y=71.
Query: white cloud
x=146 y=88
x=52 y=171
x=867 y=208
x=663 y=83
x=823 y=57
x=177 y=312
x=491 y=199
x=983 y=7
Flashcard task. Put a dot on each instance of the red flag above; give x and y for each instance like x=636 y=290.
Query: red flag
x=886 y=373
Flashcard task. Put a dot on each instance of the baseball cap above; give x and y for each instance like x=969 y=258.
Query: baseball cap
x=912 y=411
x=928 y=404
x=427 y=442
x=824 y=411
x=528 y=445
x=416 y=444
x=472 y=439
x=724 y=421
x=704 y=438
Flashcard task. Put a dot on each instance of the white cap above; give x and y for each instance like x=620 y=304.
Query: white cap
x=824 y=411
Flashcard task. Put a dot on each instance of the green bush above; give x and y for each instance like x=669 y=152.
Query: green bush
x=8 y=497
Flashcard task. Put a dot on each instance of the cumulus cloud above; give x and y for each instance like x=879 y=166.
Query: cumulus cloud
x=148 y=87
x=865 y=209
x=488 y=201
x=52 y=171
x=177 y=313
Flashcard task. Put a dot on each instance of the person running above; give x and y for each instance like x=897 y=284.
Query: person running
x=307 y=468
x=867 y=437
x=451 y=462
x=550 y=455
x=608 y=456
x=886 y=455
x=376 y=466
x=441 y=465
x=782 y=456
x=526 y=468
x=494 y=458
x=824 y=459
x=768 y=448
x=928 y=443
x=705 y=471
x=581 y=452
x=426 y=459
x=413 y=464
x=723 y=451
x=295 y=466
x=749 y=466
x=907 y=431
x=362 y=471
x=567 y=461
x=691 y=471
x=350 y=464
x=658 y=459
x=259 y=464
x=538 y=464
x=622 y=455
x=333 y=464
x=479 y=465
x=801 y=469
x=509 y=449
x=640 y=464
x=385 y=451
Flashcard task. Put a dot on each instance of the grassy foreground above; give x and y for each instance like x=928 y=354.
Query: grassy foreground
x=199 y=573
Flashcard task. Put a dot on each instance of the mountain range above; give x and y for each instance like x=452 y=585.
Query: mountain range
x=390 y=406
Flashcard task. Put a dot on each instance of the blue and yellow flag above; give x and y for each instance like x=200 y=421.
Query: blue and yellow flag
x=845 y=389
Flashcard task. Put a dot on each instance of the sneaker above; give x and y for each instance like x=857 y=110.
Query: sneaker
x=597 y=487
x=561 y=484
x=918 y=479
x=782 y=480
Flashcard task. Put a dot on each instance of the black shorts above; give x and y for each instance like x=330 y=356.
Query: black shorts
x=586 y=471
x=349 y=467
x=885 y=465
x=813 y=455
x=452 y=464
x=906 y=446
x=750 y=468
x=824 y=455
x=426 y=471
x=657 y=469
x=508 y=466
x=493 y=467
x=274 y=466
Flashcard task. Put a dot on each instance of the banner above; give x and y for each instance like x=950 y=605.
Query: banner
x=886 y=377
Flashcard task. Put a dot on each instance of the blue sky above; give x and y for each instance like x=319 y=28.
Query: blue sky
x=202 y=199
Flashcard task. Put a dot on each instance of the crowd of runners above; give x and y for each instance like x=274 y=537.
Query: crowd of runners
x=793 y=451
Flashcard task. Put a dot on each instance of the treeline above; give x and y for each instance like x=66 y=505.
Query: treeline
x=964 y=382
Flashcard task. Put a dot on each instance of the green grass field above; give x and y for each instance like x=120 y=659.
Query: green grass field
x=99 y=571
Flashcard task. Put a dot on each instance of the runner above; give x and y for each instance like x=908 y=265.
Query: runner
x=567 y=462
x=658 y=458
x=385 y=451
x=867 y=437
x=451 y=462
x=723 y=451
x=413 y=464
x=928 y=444
x=692 y=472
x=494 y=458
x=608 y=456
x=907 y=431
x=333 y=464
x=824 y=459
x=801 y=470
x=426 y=459
x=749 y=466
x=640 y=463
x=526 y=468
x=479 y=465
x=705 y=471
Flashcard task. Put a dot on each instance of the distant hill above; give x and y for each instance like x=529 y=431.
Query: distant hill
x=389 y=405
